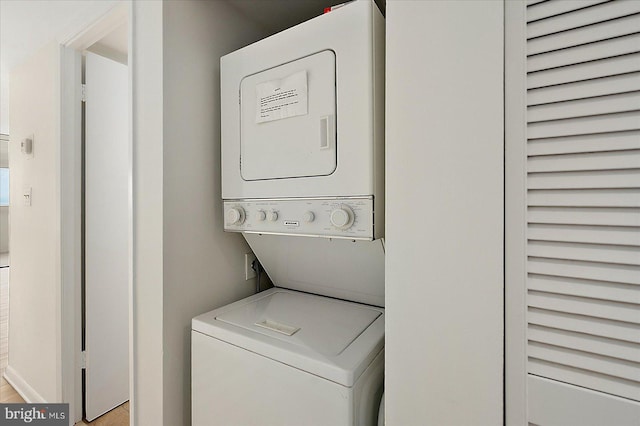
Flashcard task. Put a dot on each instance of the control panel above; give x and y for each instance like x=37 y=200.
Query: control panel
x=318 y=217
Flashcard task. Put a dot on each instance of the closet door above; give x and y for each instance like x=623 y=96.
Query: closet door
x=106 y=239
x=583 y=212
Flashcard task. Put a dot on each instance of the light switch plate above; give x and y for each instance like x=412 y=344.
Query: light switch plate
x=26 y=194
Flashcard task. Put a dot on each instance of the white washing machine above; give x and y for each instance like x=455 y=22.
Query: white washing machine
x=285 y=357
x=302 y=171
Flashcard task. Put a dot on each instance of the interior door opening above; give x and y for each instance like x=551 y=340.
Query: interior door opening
x=105 y=226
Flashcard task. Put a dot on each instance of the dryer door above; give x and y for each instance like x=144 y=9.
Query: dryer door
x=288 y=120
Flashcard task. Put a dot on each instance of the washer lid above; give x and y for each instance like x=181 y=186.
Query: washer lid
x=323 y=325
x=326 y=337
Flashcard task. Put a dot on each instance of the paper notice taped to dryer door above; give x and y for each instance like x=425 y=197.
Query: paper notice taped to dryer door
x=282 y=98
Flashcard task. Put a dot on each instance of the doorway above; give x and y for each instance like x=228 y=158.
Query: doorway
x=96 y=112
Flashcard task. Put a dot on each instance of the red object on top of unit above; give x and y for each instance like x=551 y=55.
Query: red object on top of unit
x=331 y=8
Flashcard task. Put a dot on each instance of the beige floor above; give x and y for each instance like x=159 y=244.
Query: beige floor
x=8 y=395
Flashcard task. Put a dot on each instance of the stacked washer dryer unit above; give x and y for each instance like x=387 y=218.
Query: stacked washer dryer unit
x=302 y=179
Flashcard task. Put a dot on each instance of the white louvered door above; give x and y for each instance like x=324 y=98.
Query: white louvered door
x=583 y=212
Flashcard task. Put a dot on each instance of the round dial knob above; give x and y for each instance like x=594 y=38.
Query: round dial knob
x=235 y=216
x=308 y=217
x=342 y=217
x=261 y=215
x=272 y=216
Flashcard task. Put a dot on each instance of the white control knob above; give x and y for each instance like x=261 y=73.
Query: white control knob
x=235 y=216
x=261 y=215
x=342 y=217
x=272 y=216
x=308 y=217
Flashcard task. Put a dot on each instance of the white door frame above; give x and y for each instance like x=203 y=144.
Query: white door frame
x=71 y=202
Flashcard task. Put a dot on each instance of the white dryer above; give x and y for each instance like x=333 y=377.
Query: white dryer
x=302 y=171
x=303 y=127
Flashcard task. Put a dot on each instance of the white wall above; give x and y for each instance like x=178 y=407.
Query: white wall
x=184 y=264
x=147 y=214
x=4 y=210
x=203 y=266
x=4 y=229
x=444 y=232
x=35 y=303
x=4 y=106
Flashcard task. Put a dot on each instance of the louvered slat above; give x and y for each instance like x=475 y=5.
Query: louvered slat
x=585 y=378
x=600 y=13
x=585 y=180
x=616 y=235
x=585 y=143
x=584 y=324
x=616 y=292
x=584 y=216
x=626 y=370
x=625 y=274
x=617 y=311
x=534 y=2
x=585 y=125
x=599 y=105
x=583 y=35
x=584 y=198
x=553 y=8
x=585 y=343
x=621 y=255
x=585 y=53
x=584 y=71
x=616 y=160
x=585 y=89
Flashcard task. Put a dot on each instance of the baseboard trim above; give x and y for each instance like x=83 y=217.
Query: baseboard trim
x=22 y=387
